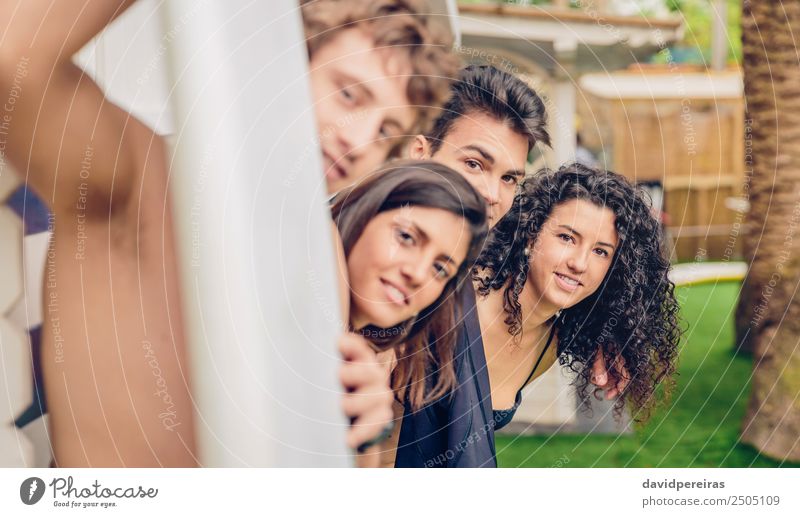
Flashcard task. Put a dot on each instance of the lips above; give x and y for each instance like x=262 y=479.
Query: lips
x=333 y=168
x=566 y=282
x=395 y=294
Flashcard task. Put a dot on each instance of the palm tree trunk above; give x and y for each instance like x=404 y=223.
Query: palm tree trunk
x=768 y=315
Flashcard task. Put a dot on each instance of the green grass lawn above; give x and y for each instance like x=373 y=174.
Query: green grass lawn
x=700 y=428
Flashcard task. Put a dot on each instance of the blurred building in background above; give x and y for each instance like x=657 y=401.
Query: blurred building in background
x=674 y=129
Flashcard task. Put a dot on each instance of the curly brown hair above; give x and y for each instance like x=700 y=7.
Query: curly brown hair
x=400 y=25
x=632 y=316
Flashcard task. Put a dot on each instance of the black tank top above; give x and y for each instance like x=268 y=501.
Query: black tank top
x=502 y=417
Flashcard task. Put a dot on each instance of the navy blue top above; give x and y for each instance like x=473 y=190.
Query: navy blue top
x=458 y=429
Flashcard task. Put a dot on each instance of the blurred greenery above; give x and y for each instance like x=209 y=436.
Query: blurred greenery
x=700 y=428
x=695 y=47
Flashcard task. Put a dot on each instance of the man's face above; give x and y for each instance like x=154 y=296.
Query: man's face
x=360 y=103
x=489 y=154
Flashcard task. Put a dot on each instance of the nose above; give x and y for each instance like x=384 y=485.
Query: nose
x=414 y=272
x=578 y=260
x=490 y=190
x=358 y=131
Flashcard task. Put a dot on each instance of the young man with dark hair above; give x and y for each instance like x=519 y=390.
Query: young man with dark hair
x=486 y=131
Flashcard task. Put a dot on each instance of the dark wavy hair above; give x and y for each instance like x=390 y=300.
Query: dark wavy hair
x=426 y=184
x=633 y=315
x=498 y=94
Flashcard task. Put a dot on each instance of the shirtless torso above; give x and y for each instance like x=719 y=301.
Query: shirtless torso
x=113 y=350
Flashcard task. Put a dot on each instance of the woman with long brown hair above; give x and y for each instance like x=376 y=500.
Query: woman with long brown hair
x=409 y=233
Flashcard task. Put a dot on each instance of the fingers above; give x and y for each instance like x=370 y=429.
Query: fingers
x=368 y=398
x=354 y=347
x=613 y=385
x=368 y=426
x=599 y=372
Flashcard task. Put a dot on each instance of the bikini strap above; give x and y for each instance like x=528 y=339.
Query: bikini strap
x=541 y=355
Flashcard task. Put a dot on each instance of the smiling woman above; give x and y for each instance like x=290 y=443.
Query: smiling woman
x=581 y=252
x=410 y=234
x=575 y=272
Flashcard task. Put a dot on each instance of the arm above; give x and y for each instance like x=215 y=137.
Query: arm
x=62 y=132
x=114 y=343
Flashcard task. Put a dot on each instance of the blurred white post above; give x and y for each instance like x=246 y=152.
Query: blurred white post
x=564 y=136
x=564 y=93
x=257 y=265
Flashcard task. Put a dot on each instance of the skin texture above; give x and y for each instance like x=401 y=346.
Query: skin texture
x=577 y=240
x=360 y=104
x=401 y=263
x=576 y=245
x=488 y=153
x=118 y=318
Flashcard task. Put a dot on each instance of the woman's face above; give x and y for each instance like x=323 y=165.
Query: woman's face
x=402 y=262
x=572 y=254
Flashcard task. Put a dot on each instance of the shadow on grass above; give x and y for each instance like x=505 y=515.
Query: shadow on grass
x=701 y=425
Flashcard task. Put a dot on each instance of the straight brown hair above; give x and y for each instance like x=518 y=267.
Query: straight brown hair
x=425 y=345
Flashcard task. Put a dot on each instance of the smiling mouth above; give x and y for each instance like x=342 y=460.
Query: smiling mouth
x=332 y=169
x=567 y=282
x=395 y=295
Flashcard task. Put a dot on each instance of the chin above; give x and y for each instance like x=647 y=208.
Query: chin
x=385 y=321
x=562 y=302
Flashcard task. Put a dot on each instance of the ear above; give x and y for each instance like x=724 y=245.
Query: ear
x=420 y=148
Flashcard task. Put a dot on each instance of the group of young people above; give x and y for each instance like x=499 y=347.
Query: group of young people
x=462 y=278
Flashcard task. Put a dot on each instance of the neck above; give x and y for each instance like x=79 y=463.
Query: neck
x=535 y=311
x=357 y=323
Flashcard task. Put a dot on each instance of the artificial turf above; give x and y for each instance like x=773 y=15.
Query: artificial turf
x=698 y=428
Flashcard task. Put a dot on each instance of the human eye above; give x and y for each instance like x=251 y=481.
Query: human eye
x=404 y=237
x=473 y=164
x=566 y=237
x=510 y=179
x=601 y=252
x=388 y=131
x=441 y=270
x=348 y=95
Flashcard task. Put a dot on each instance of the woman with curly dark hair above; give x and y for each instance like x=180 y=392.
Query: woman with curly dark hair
x=575 y=271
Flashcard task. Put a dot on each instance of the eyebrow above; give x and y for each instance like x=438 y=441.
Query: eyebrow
x=424 y=236
x=483 y=152
x=573 y=230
